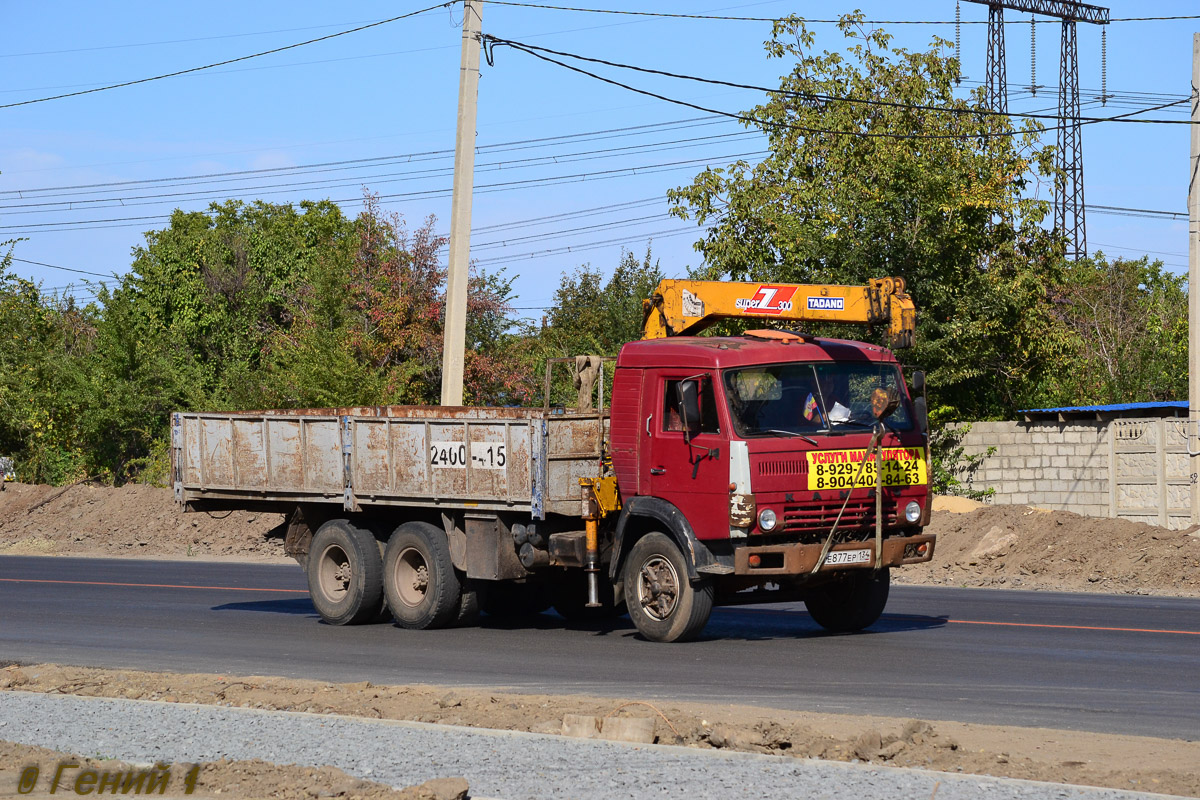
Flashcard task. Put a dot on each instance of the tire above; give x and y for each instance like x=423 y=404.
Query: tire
x=570 y=598
x=663 y=604
x=467 y=613
x=850 y=603
x=345 y=574
x=423 y=590
x=511 y=600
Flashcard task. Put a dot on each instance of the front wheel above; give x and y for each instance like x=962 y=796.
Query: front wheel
x=851 y=602
x=663 y=604
x=344 y=574
x=422 y=588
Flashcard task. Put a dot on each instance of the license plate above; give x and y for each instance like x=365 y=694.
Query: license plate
x=848 y=557
x=835 y=469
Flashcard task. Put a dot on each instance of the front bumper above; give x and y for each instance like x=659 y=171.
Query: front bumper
x=799 y=559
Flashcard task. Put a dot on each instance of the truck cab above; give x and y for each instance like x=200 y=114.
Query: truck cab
x=754 y=458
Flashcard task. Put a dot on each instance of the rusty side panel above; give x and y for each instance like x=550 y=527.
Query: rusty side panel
x=574 y=451
x=395 y=455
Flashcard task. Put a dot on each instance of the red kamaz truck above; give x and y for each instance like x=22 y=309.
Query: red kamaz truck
x=769 y=466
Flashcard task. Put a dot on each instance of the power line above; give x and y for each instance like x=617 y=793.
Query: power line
x=814 y=97
x=214 y=192
x=551 y=180
x=1140 y=250
x=722 y=18
x=528 y=49
x=176 y=41
x=518 y=144
x=227 y=61
x=480 y=188
x=1137 y=212
x=64 y=269
x=667 y=234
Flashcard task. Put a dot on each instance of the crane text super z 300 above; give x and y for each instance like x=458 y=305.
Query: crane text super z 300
x=754 y=468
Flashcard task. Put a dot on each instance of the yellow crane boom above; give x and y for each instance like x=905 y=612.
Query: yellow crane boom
x=684 y=308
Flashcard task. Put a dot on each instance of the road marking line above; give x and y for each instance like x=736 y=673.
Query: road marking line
x=1068 y=627
x=1002 y=624
x=149 y=585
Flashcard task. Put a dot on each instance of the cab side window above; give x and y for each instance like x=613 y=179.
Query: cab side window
x=673 y=417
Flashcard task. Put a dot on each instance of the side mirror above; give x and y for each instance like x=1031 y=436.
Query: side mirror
x=921 y=410
x=917 y=384
x=689 y=406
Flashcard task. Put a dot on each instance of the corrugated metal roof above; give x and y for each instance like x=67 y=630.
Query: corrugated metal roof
x=1115 y=407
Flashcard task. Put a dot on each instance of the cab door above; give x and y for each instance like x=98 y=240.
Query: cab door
x=686 y=461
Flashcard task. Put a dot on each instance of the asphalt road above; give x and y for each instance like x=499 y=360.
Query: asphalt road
x=1103 y=663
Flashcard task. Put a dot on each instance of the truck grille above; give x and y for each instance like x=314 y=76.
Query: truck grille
x=820 y=516
x=779 y=467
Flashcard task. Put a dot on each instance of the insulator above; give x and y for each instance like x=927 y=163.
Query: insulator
x=1104 y=66
x=1033 y=87
x=958 y=40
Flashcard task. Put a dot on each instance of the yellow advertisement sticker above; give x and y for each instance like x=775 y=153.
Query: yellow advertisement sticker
x=836 y=469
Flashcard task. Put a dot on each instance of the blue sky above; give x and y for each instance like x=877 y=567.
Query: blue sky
x=388 y=95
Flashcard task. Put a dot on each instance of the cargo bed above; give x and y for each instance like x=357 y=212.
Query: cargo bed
x=495 y=459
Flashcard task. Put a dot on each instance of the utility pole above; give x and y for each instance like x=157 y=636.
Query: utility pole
x=454 y=333
x=997 y=79
x=1194 y=284
x=1068 y=190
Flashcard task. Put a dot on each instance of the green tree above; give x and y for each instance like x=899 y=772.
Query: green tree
x=876 y=168
x=594 y=316
x=591 y=316
x=1127 y=324
x=220 y=282
x=44 y=343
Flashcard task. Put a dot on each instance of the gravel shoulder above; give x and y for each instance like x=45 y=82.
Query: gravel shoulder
x=1119 y=762
x=499 y=764
x=234 y=779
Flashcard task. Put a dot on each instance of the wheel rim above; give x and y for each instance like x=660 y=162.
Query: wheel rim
x=658 y=588
x=411 y=577
x=333 y=574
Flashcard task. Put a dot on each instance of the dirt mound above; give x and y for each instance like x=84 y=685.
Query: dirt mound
x=132 y=520
x=227 y=779
x=1031 y=548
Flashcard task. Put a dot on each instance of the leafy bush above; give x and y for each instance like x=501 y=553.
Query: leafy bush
x=953 y=469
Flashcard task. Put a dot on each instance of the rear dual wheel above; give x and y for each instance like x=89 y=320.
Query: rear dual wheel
x=422 y=587
x=345 y=574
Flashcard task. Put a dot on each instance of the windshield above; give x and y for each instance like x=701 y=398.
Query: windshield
x=805 y=398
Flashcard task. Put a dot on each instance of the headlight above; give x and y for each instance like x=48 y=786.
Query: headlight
x=912 y=511
x=766 y=520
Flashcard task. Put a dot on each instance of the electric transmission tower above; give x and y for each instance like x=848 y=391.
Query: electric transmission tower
x=1068 y=189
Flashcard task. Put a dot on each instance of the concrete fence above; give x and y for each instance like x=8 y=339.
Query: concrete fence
x=1131 y=468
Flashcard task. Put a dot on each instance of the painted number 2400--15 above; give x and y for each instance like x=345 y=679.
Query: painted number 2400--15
x=453 y=455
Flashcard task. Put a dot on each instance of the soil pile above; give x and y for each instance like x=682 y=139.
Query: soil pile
x=1030 y=548
x=134 y=520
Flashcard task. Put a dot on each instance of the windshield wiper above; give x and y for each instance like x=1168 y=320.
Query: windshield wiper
x=808 y=439
x=859 y=423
